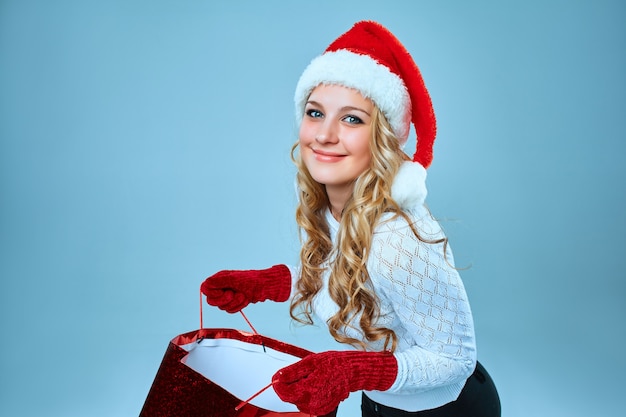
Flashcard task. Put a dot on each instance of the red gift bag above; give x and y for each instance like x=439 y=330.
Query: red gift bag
x=208 y=373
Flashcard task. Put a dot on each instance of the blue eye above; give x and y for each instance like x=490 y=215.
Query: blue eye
x=314 y=113
x=353 y=120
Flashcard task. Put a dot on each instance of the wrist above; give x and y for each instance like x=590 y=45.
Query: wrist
x=374 y=371
x=277 y=283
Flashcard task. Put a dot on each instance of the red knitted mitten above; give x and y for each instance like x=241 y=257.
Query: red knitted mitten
x=320 y=381
x=233 y=290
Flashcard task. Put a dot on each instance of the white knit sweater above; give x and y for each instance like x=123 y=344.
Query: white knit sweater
x=423 y=300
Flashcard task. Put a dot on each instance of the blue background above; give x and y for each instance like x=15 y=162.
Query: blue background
x=145 y=145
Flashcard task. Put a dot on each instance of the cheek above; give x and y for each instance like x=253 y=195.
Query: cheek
x=305 y=139
x=360 y=147
x=306 y=134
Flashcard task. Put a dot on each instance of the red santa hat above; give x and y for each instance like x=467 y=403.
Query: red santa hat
x=370 y=59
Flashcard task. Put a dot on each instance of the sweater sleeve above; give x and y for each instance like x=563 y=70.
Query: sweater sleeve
x=295 y=273
x=432 y=317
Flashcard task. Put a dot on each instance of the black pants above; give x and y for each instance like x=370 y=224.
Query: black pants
x=479 y=398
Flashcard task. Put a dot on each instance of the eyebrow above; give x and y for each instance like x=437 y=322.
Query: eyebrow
x=344 y=108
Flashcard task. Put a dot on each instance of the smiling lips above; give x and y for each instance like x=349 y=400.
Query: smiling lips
x=326 y=156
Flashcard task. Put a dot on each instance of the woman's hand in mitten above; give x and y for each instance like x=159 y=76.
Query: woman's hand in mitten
x=233 y=290
x=319 y=382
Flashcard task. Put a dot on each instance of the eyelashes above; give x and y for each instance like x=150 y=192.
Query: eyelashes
x=316 y=114
x=353 y=120
x=349 y=118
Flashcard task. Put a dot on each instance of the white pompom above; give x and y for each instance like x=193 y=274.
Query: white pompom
x=409 y=186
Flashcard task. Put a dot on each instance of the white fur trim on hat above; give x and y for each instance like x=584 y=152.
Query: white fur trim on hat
x=361 y=72
x=409 y=186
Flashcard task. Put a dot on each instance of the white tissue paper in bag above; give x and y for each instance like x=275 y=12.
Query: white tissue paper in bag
x=241 y=368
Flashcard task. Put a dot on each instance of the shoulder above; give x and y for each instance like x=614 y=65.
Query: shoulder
x=412 y=242
x=418 y=220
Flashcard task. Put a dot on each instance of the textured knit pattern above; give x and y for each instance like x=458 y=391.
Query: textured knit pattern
x=231 y=291
x=422 y=298
x=306 y=382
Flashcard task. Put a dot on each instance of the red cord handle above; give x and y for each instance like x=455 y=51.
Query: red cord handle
x=243 y=403
x=240 y=311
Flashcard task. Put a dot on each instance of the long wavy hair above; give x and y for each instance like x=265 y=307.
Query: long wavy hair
x=348 y=281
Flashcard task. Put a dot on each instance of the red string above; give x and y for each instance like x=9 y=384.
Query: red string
x=241 y=311
x=248 y=321
x=241 y=404
x=201 y=324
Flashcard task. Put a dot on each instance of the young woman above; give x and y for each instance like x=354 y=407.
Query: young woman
x=374 y=264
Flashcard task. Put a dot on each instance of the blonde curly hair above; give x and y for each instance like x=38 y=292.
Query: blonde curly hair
x=371 y=197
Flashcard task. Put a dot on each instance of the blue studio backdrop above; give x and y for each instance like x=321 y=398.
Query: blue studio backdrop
x=144 y=145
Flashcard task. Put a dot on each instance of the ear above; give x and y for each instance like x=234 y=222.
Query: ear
x=409 y=186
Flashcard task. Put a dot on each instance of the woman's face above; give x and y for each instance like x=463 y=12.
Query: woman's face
x=335 y=135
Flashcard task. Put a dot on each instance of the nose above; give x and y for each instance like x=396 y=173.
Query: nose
x=327 y=132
